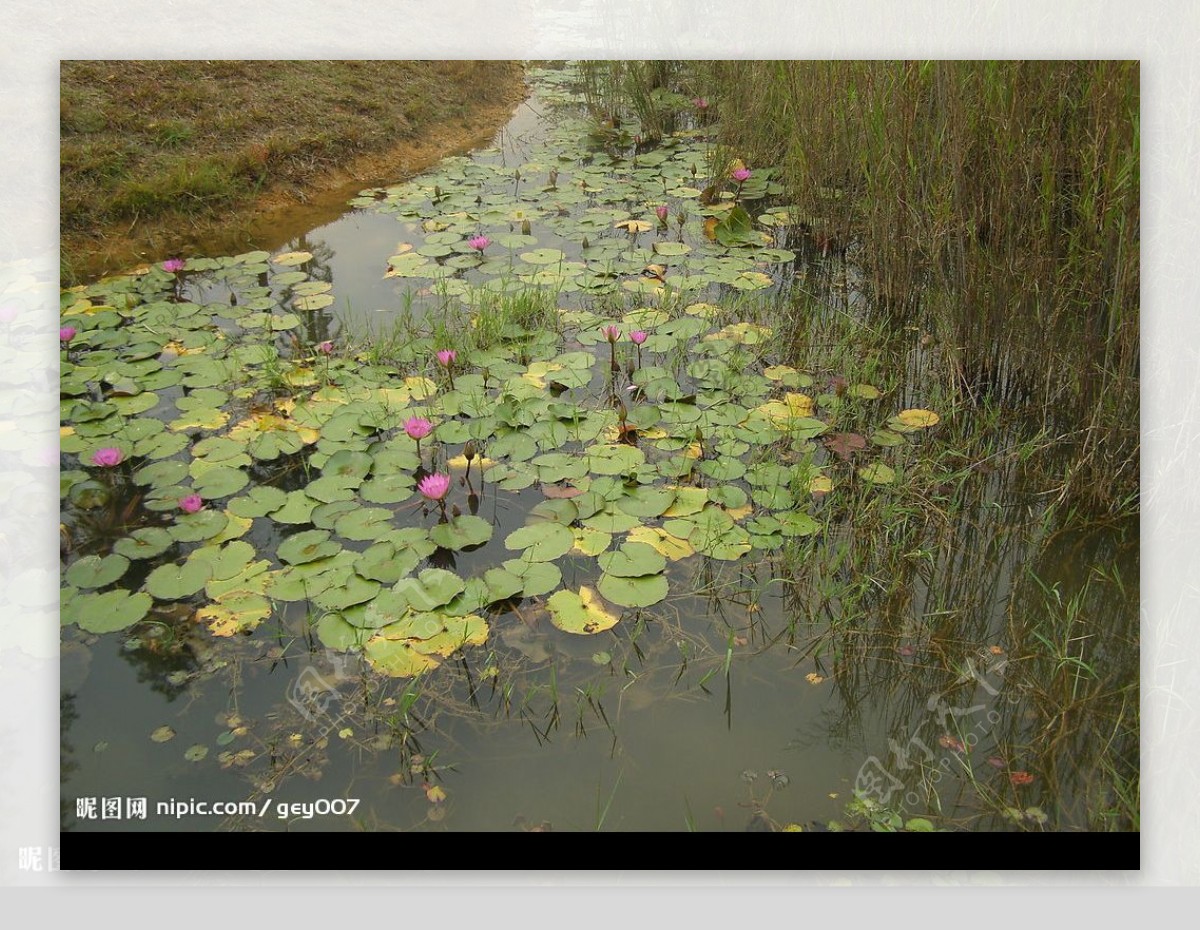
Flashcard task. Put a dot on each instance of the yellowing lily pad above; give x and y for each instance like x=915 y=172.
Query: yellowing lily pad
x=397 y=658
x=918 y=419
x=292 y=258
x=581 y=613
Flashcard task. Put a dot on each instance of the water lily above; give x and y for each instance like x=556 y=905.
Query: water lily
x=612 y=334
x=479 y=243
x=325 y=348
x=662 y=211
x=700 y=103
x=193 y=503
x=637 y=337
x=173 y=265
x=418 y=428
x=108 y=457
x=446 y=359
x=67 y=333
x=741 y=175
x=435 y=488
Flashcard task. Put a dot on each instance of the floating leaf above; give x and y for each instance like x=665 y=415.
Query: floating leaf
x=917 y=419
x=543 y=542
x=292 y=258
x=397 y=658
x=462 y=532
x=92 y=571
x=194 y=527
x=110 y=611
x=365 y=523
x=163 y=734
x=538 y=577
x=145 y=543
x=431 y=589
x=581 y=613
x=670 y=546
x=308 y=546
x=877 y=473
x=633 y=559
x=172 y=582
x=633 y=592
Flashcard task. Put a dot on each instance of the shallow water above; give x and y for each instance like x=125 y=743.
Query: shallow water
x=763 y=696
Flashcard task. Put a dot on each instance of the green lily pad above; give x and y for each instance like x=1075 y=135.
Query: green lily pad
x=172 y=582
x=308 y=546
x=877 y=473
x=632 y=560
x=92 y=571
x=145 y=543
x=642 y=591
x=354 y=590
x=543 y=542
x=431 y=589
x=647 y=501
x=110 y=611
x=365 y=523
x=258 y=502
x=194 y=527
x=462 y=532
x=543 y=256
x=538 y=577
x=337 y=634
x=297 y=509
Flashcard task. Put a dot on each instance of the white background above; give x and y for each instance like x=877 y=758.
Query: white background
x=1163 y=35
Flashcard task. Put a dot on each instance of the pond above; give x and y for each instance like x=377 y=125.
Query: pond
x=517 y=498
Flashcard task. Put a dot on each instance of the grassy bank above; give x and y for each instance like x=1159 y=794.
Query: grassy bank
x=156 y=155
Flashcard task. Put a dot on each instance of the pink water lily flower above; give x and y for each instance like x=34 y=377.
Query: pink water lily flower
x=173 y=265
x=700 y=103
x=479 y=243
x=434 y=487
x=611 y=333
x=193 y=503
x=325 y=348
x=637 y=337
x=108 y=457
x=741 y=174
x=417 y=427
x=446 y=357
x=67 y=333
x=661 y=212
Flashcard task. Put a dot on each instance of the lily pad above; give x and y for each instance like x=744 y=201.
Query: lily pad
x=877 y=473
x=581 y=613
x=431 y=589
x=173 y=582
x=308 y=546
x=633 y=592
x=632 y=560
x=462 y=532
x=92 y=571
x=110 y=611
x=542 y=542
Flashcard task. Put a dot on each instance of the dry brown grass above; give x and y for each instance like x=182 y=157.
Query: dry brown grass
x=147 y=143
